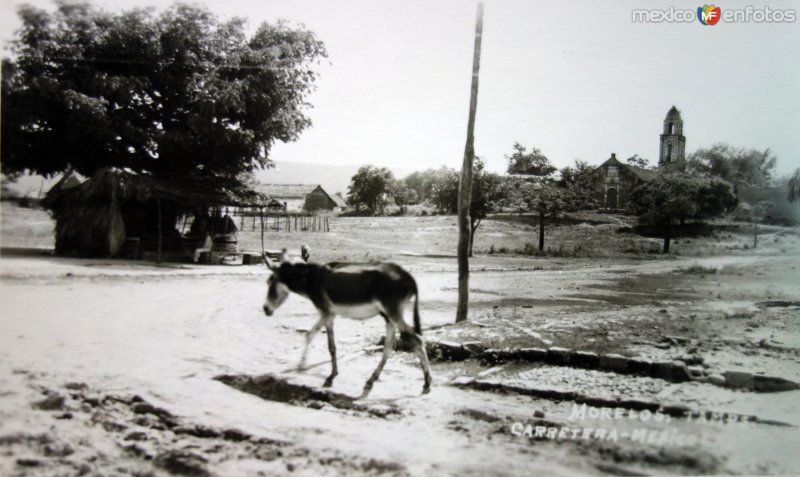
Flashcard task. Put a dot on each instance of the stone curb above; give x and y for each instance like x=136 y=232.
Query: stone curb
x=672 y=371
x=672 y=410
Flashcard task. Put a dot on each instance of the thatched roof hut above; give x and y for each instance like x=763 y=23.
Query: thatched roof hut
x=300 y=197
x=94 y=218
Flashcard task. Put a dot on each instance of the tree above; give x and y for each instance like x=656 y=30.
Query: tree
x=180 y=94
x=758 y=213
x=419 y=182
x=794 y=186
x=583 y=183
x=538 y=194
x=533 y=163
x=401 y=193
x=444 y=190
x=368 y=187
x=638 y=161
x=672 y=197
x=737 y=166
x=486 y=194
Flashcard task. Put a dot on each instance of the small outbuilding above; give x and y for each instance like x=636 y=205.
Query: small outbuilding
x=122 y=213
x=302 y=197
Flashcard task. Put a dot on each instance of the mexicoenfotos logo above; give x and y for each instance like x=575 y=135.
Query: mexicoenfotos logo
x=711 y=15
x=708 y=14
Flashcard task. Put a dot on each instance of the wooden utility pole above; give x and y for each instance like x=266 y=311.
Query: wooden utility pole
x=465 y=181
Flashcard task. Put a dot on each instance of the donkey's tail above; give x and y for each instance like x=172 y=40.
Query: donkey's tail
x=417 y=325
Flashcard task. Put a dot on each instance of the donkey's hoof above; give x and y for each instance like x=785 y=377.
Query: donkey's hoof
x=328 y=383
x=426 y=390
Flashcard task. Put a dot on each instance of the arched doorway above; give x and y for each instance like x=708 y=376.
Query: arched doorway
x=611 y=198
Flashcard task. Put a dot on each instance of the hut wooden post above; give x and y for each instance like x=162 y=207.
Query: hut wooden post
x=465 y=181
x=158 y=206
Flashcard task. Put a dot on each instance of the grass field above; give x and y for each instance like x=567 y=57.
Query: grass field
x=577 y=235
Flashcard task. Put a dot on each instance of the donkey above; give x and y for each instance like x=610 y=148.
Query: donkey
x=353 y=290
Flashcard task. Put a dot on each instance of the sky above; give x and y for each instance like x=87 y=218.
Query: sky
x=579 y=80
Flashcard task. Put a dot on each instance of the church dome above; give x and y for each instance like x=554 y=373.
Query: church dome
x=673 y=113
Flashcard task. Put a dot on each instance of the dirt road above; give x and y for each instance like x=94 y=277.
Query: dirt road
x=112 y=367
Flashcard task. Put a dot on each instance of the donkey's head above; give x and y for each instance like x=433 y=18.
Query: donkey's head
x=277 y=290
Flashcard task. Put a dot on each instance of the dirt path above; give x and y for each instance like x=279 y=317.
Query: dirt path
x=111 y=368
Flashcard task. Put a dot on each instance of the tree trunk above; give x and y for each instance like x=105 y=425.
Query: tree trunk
x=465 y=182
x=755 y=234
x=666 y=239
x=473 y=227
x=158 y=202
x=541 y=230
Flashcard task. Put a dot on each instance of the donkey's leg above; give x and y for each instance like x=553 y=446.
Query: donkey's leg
x=310 y=336
x=388 y=346
x=332 y=349
x=407 y=333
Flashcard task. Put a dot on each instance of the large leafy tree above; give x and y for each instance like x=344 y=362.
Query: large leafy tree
x=674 y=197
x=582 y=184
x=369 y=188
x=437 y=186
x=533 y=163
x=543 y=196
x=180 y=93
x=740 y=167
x=487 y=193
x=539 y=193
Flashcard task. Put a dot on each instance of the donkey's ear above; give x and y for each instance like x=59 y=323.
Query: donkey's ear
x=270 y=264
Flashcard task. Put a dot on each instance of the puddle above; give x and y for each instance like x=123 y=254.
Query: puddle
x=273 y=388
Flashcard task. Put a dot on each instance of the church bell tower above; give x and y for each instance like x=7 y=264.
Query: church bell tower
x=672 y=156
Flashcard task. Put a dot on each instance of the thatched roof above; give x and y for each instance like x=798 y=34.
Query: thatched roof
x=286 y=191
x=114 y=184
x=69 y=180
x=339 y=200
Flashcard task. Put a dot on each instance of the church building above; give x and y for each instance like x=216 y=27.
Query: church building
x=620 y=178
x=672 y=153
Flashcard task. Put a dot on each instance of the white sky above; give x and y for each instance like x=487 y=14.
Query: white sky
x=577 y=79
